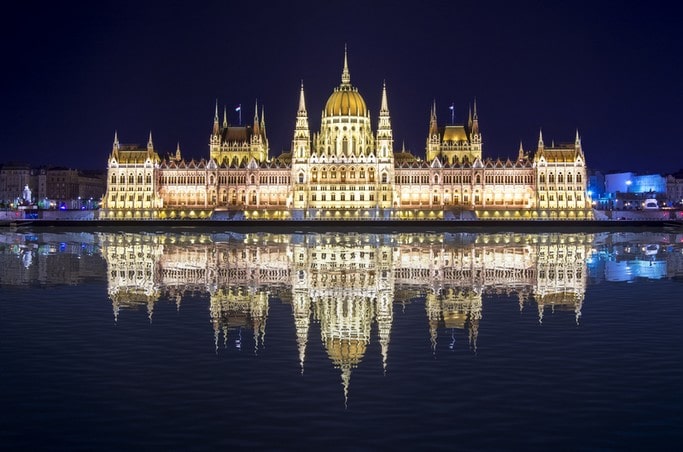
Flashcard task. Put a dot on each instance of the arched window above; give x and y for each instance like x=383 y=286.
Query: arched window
x=542 y=178
x=578 y=178
x=477 y=179
x=301 y=178
x=252 y=178
x=436 y=178
x=384 y=178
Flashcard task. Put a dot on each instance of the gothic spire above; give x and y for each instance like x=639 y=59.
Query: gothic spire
x=225 y=116
x=150 y=145
x=475 y=119
x=302 y=101
x=346 y=77
x=256 y=124
x=433 y=128
x=263 y=119
x=215 y=120
x=385 y=105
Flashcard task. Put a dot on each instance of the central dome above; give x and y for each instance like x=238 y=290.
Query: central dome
x=345 y=101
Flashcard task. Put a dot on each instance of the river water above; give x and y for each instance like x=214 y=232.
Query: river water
x=330 y=341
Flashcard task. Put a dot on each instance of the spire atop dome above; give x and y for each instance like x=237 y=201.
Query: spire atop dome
x=346 y=76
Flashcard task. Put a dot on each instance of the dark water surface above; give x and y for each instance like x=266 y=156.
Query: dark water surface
x=196 y=341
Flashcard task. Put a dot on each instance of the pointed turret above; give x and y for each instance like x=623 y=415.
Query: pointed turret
x=302 y=101
x=178 y=157
x=475 y=120
x=469 y=117
x=384 y=108
x=263 y=120
x=520 y=154
x=301 y=143
x=433 y=127
x=225 y=116
x=385 y=140
x=150 y=145
x=115 y=147
x=257 y=130
x=540 y=139
x=216 y=129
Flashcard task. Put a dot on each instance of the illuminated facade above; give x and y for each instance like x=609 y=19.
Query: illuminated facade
x=347 y=170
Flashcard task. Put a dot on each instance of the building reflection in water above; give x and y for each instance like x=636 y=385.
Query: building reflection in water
x=344 y=282
x=347 y=282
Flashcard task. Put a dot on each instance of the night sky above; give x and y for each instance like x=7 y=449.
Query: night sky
x=74 y=74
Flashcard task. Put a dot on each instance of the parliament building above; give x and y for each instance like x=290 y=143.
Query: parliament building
x=346 y=171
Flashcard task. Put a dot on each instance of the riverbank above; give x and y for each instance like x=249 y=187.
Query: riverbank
x=290 y=226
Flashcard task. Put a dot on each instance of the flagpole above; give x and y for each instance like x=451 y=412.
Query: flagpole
x=452 y=107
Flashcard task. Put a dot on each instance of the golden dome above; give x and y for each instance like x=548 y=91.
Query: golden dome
x=345 y=101
x=346 y=351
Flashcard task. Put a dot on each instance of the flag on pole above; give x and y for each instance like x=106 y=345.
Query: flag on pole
x=238 y=108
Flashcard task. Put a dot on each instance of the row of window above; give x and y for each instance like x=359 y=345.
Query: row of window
x=342 y=197
x=560 y=178
x=343 y=188
x=400 y=179
x=131 y=198
x=560 y=197
x=131 y=179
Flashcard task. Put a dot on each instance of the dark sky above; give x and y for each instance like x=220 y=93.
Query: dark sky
x=74 y=73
